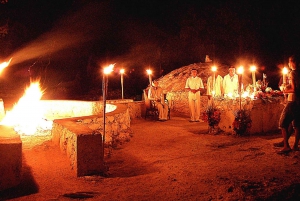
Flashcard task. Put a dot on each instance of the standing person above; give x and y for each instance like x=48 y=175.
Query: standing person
x=194 y=85
x=218 y=88
x=231 y=83
x=155 y=94
x=291 y=127
x=291 y=110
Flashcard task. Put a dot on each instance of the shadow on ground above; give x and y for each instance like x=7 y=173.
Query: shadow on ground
x=27 y=185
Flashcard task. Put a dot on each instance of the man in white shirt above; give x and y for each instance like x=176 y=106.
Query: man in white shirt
x=231 y=83
x=194 y=85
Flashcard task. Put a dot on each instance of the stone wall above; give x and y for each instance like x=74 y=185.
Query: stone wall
x=81 y=138
x=179 y=102
x=264 y=114
x=10 y=158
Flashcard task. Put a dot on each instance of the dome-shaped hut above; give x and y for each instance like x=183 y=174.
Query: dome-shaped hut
x=173 y=85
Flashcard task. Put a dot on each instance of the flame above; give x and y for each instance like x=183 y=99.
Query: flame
x=149 y=71
x=4 y=65
x=27 y=116
x=108 y=69
x=285 y=71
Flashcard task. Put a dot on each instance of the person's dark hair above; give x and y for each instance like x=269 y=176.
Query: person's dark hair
x=194 y=69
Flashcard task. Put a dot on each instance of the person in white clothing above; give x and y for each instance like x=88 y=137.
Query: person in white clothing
x=231 y=83
x=217 y=89
x=156 y=95
x=194 y=85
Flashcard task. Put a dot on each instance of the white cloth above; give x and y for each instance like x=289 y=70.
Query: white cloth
x=231 y=84
x=218 y=85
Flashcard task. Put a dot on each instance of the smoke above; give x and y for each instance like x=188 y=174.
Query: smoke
x=72 y=31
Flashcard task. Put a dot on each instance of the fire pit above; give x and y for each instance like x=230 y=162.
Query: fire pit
x=76 y=127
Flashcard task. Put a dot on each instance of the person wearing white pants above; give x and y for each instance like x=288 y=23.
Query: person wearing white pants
x=194 y=85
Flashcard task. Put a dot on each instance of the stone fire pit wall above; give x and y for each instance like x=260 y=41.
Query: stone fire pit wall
x=81 y=137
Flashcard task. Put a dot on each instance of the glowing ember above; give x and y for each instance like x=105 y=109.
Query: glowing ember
x=27 y=116
x=4 y=65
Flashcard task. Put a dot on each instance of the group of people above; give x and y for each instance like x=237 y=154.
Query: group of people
x=216 y=86
x=223 y=86
x=194 y=85
x=290 y=116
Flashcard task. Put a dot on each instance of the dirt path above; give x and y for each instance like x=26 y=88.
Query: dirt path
x=173 y=160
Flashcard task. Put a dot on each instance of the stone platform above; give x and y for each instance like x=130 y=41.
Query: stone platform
x=10 y=158
x=264 y=115
x=81 y=138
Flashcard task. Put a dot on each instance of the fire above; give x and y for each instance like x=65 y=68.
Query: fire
x=4 y=65
x=27 y=116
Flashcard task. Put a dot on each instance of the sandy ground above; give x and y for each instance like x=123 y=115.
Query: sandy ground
x=173 y=160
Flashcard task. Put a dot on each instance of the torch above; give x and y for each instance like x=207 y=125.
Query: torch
x=253 y=69
x=106 y=72
x=122 y=72
x=214 y=69
x=240 y=71
x=149 y=72
x=284 y=74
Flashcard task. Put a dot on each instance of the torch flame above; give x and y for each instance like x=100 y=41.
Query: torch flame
x=240 y=70
x=149 y=71
x=285 y=70
x=4 y=65
x=108 y=69
x=253 y=68
x=27 y=115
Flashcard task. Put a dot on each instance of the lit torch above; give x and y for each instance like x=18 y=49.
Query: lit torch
x=284 y=72
x=122 y=72
x=106 y=71
x=253 y=69
x=149 y=72
x=214 y=69
x=240 y=72
x=4 y=65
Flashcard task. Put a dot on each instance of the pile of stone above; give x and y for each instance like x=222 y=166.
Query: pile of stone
x=175 y=80
x=173 y=84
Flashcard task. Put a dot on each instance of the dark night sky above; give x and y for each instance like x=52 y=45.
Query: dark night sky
x=82 y=35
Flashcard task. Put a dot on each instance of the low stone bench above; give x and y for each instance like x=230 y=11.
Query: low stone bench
x=10 y=158
x=81 y=138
